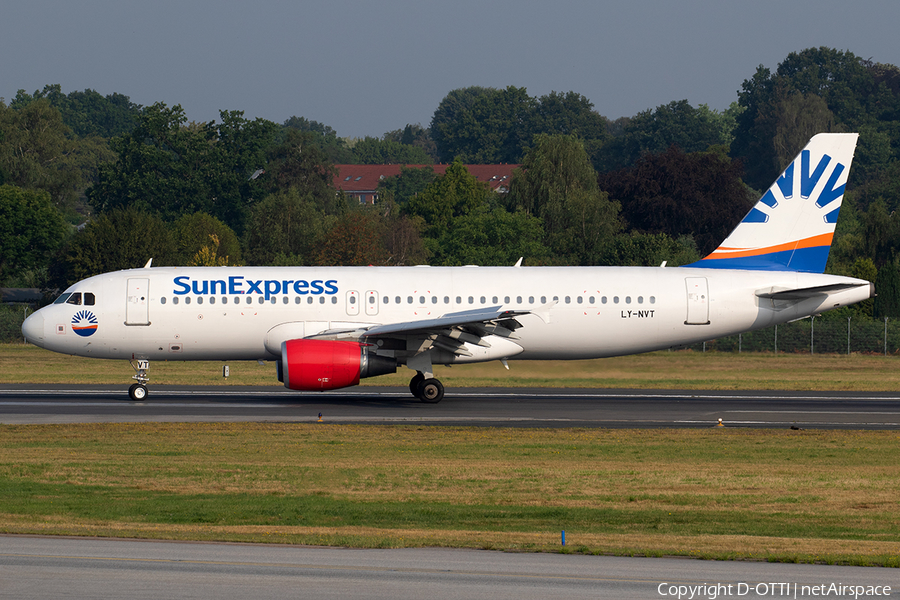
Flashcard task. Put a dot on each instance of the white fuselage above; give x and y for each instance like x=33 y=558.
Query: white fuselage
x=244 y=313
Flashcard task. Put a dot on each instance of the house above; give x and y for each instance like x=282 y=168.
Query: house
x=361 y=181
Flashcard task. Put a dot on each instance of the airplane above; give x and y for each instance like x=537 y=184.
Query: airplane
x=327 y=328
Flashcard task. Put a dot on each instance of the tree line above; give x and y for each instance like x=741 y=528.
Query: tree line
x=92 y=183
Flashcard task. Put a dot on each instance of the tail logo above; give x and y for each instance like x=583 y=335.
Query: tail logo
x=808 y=181
x=84 y=323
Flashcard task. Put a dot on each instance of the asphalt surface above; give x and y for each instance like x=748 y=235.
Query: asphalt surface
x=73 y=568
x=503 y=407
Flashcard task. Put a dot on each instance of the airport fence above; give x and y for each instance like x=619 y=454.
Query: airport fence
x=815 y=336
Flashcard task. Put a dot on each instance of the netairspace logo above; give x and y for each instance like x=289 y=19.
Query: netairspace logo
x=712 y=591
x=239 y=285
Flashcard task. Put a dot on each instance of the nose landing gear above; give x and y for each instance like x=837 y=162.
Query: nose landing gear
x=138 y=391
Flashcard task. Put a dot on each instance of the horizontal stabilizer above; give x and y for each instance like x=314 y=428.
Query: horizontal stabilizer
x=804 y=293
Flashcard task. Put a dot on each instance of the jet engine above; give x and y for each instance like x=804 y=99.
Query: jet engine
x=315 y=365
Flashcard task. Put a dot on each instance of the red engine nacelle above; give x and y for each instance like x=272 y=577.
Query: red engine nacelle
x=328 y=365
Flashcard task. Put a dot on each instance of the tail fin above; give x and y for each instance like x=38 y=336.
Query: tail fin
x=792 y=225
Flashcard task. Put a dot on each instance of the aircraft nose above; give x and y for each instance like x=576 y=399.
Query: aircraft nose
x=33 y=329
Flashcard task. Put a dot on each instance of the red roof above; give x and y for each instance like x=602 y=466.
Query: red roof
x=365 y=178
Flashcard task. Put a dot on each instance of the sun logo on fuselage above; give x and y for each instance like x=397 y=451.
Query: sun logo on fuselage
x=84 y=323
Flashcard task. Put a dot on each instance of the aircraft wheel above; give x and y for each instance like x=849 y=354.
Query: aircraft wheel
x=137 y=391
x=431 y=391
x=414 y=384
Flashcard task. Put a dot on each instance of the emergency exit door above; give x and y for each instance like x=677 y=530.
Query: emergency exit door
x=697 y=301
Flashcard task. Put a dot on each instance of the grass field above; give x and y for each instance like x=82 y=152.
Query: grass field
x=809 y=496
x=20 y=363
x=737 y=494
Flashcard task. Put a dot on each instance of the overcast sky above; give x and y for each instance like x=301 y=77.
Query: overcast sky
x=367 y=67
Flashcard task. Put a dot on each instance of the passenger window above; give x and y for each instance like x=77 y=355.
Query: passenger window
x=334 y=299
x=434 y=299
x=162 y=300
x=200 y=300
x=483 y=300
x=506 y=300
x=261 y=299
x=175 y=300
x=274 y=300
x=352 y=299
x=212 y=299
x=296 y=299
x=409 y=299
x=579 y=300
x=530 y=299
x=224 y=299
x=74 y=299
x=518 y=299
x=446 y=299
x=543 y=299
x=88 y=299
x=459 y=299
x=249 y=299
x=397 y=299
x=309 y=300
x=603 y=299
x=421 y=300
x=284 y=300
x=371 y=299
x=640 y=299
x=591 y=300
x=652 y=299
x=494 y=300
x=187 y=300
x=627 y=299
x=568 y=300
x=385 y=300
x=321 y=299
x=471 y=300
x=615 y=299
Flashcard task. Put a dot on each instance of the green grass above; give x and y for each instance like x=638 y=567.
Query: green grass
x=775 y=495
x=20 y=363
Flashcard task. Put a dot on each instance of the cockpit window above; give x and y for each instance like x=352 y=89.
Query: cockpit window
x=88 y=299
x=62 y=298
x=75 y=299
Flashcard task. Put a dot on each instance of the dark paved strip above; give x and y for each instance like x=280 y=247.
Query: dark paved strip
x=505 y=407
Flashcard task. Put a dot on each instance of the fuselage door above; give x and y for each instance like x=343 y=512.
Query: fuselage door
x=138 y=302
x=697 y=301
x=371 y=302
x=353 y=303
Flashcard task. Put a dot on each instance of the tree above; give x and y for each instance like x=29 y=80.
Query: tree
x=118 y=239
x=323 y=136
x=372 y=151
x=410 y=182
x=171 y=168
x=887 y=302
x=557 y=184
x=675 y=193
x=356 y=238
x=31 y=230
x=452 y=195
x=491 y=237
x=484 y=125
x=88 y=113
x=287 y=226
x=298 y=163
x=33 y=145
x=200 y=232
x=674 y=124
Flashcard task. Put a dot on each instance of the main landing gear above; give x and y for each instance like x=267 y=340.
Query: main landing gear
x=138 y=391
x=428 y=390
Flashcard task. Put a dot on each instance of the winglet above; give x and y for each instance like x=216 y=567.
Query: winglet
x=147 y=266
x=791 y=227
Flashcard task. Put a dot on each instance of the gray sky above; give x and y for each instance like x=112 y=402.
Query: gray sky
x=369 y=67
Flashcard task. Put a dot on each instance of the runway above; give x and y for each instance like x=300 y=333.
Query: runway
x=498 y=407
x=81 y=568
